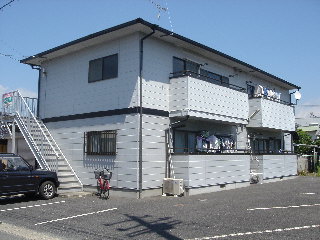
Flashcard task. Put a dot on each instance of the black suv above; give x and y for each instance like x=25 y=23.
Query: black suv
x=19 y=177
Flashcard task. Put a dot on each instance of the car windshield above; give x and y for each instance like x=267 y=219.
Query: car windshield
x=13 y=164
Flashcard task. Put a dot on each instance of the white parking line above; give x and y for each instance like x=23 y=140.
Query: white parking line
x=294 y=206
x=258 y=232
x=81 y=215
x=31 y=206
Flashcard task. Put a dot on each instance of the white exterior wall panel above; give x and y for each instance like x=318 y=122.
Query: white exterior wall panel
x=206 y=170
x=206 y=100
x=279 y=165
x=70 y=137
x=271 y=114
x=66 y=81
x=154 y=150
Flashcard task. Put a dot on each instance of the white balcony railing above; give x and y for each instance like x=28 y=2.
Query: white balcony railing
x=203 y=99
x=267 y=113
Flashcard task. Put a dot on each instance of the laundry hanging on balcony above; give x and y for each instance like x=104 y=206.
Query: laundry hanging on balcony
x=261 y=91
x=214 y=144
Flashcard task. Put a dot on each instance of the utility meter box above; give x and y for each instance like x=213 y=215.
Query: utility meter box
x=173 y=186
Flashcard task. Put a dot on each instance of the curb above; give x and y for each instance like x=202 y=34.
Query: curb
x=74 y=194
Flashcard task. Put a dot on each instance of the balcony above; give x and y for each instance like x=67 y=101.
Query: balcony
x=272 y=114
x=201 y=97
x=209 y=170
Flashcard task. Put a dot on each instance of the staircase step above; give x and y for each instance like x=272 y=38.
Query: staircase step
x=44 y=147
x=67 y=186
x=69 y=189
x=66 y=179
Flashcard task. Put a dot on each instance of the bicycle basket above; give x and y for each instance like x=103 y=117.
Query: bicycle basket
x=107 y=175
x=98 y=173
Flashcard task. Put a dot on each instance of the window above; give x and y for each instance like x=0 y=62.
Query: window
x=250 y=90
x=103 y=68
x=183 y=66
x=13 y=164
x=100 y=142
x=184 y=142
x=264 y=146
x=178 y=66
x=214 y=78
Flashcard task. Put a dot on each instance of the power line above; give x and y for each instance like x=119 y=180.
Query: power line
x=9 y=56
x=7 y=4
x=12 y=49
x=162 y=9
x=169 y=16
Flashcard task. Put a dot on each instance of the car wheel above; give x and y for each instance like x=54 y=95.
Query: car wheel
x=47 y=190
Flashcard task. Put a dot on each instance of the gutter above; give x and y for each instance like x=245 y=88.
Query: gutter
x=141 y=108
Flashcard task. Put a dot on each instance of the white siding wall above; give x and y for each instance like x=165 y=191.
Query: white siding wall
x=271 y=115
x=154 y=152
x=279 y=165
x=70 y=137
x=206 y=100
x=66 y=81
x=206 y=170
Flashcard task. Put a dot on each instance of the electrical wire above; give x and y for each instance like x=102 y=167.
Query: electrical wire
x=169 y=17
x=163 y=9
x=7 y=4
x=9 y=56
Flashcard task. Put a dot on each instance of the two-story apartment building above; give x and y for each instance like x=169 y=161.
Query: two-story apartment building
x=148 y=103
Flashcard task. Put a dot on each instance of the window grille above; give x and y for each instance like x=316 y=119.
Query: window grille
x=100 y=142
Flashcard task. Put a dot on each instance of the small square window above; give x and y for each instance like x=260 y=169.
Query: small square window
x=110 y=67
x=95 y=70
x=100 y=142
x=103 y=68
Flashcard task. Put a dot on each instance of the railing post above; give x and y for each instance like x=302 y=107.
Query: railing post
x=13 y=147
x=57 y=159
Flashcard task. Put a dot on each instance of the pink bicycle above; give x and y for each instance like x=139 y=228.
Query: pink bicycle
x=103 y=186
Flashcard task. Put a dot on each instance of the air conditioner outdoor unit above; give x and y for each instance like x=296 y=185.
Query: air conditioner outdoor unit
x=173 y=186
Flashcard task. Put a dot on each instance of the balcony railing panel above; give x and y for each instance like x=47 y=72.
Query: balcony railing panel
x=267 y=113
x=210 y=170
x=198 y=98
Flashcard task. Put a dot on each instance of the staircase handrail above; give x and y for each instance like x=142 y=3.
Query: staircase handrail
x=63 y=155
x=43 y=163
x=34 y=118
x=57 y=155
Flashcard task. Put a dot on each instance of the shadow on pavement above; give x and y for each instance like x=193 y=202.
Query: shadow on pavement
x=148 y=224
x=5 y=200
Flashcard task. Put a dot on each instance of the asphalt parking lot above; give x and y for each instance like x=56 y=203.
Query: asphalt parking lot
x=288 y=209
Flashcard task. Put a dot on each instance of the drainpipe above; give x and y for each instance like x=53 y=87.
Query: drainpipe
x=39 y=71
x=141 y=110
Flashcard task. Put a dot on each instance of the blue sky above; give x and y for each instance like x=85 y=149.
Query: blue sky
x=281 y=37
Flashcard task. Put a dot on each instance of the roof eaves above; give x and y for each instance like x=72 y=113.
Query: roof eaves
x=88 y=37
x=166 y=32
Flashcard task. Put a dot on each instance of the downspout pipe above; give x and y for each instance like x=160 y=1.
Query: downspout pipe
x=141 y=109
x=38 y=99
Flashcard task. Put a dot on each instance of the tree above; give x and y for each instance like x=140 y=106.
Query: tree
x=304 y=138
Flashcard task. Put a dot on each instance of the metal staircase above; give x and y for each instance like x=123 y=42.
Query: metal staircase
x=41 y=143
